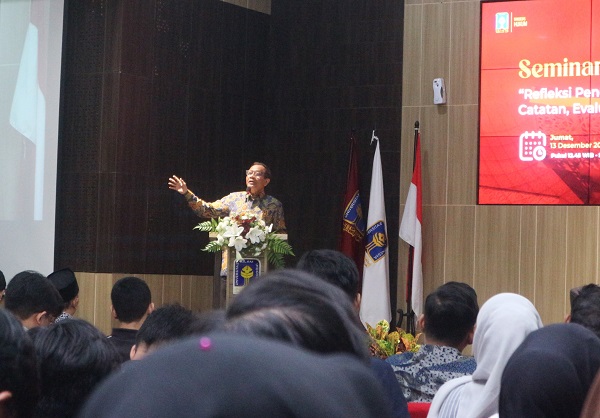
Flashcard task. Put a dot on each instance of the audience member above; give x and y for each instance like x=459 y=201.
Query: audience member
x=19 y=382
x=334 y=267
x=66 y=283
x=73 y=358
x=33 y=299
x=340 y=270
x=299 y=308
x=2 y=286
x=585 y=308
x=231 y=376
x=448 y=322
x=131 y=304
x=503 y=323
x=163 y=326
x=550 y=373
x=208 y=321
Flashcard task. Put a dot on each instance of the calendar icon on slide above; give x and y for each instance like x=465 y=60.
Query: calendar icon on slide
x=532 y=146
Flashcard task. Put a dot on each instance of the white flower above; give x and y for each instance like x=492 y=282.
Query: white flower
x=269 y=228
x=222 y=225
x=220 y=239
x=232 y=231
x=255 y=235
x=238 y=242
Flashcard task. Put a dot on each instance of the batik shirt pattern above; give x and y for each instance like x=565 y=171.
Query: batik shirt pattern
x=421 y=374
x=264 y=207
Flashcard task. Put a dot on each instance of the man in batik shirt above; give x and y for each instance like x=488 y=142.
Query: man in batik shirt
x=449 y=324
x=253 y=201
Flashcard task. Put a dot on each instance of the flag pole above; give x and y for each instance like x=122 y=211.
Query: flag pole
x=410 y=314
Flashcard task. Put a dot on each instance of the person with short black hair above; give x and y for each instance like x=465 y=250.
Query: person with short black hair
x=33 y=299
x=19 y=381
x=493 y=344
x=334 y=267
x=166 y=324
x=585 y=308
x=340 y=270
x=301 y=309
x=131 y=304
x=73 y=356
x=449 y=324
x=66 y=283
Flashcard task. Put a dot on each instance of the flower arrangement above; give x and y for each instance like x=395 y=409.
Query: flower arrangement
x=249 y=236
x=385 y=343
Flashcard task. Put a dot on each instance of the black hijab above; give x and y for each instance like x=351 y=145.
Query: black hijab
x=550 y=373
x=226 y=375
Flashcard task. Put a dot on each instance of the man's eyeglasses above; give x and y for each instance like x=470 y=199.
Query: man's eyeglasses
x=255 y=173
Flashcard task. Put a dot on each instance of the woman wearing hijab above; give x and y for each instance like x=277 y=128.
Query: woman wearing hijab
x=550 y=374
x=502 y=324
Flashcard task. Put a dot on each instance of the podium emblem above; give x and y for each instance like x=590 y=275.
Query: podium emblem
x=244 y=270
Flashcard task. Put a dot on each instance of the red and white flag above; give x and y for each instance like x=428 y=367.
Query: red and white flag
x=410 y=231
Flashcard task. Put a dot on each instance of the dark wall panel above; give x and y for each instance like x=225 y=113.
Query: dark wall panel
x=203 y=88
x=154 y=88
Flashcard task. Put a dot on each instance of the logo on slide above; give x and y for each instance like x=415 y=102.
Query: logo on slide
x=532 y=146
x=502 y=22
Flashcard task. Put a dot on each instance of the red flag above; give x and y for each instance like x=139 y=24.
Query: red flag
x=410 y=231
x=353 y=224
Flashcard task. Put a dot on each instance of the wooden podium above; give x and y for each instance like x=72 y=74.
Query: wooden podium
x=239 y=272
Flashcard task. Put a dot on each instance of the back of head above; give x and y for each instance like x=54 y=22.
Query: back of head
x=66 y=283
x=585 y=308
x=29 y=292
x=130 y=297
x=239 y=376
x=297 y=307
x=74 y=357
x=550 y=373
x=167 y=323
x=18 y=367
x=333 y=266
x=450 y=313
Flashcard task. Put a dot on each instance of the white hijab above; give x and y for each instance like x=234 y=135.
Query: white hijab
x=502 y=324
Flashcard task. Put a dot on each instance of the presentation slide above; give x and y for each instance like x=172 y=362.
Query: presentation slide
x=30 y=64
x=539 y=113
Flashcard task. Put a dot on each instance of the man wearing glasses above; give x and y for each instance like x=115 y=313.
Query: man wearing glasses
x=253 y=201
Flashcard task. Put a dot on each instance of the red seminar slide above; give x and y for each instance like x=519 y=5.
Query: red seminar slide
x=539 y=109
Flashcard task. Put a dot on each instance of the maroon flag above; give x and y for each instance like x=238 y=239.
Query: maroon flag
x=353 y=223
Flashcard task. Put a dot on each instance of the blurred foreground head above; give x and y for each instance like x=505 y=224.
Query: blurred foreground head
x=228 y=375
x=299 y=308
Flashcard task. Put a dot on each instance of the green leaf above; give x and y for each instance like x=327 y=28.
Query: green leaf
x=276 y=259
x=206 y=226
x=279 y=246
x=212 y=247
